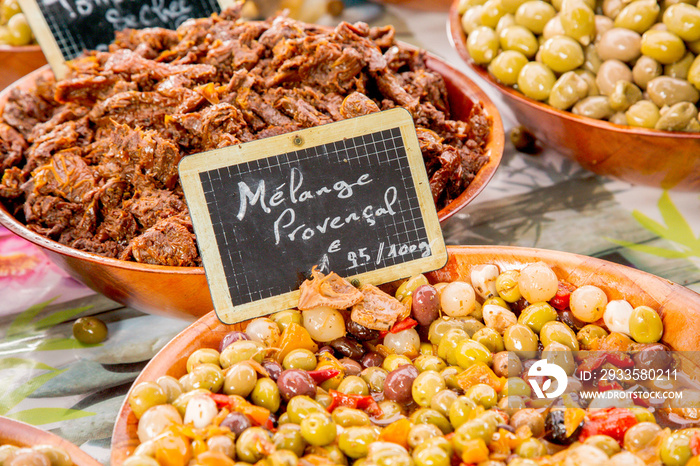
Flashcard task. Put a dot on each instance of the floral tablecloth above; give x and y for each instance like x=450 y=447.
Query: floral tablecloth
x=50 y=380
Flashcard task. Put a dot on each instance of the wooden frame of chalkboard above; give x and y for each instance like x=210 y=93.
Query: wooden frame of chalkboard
x=352 y=197
x=65 y=28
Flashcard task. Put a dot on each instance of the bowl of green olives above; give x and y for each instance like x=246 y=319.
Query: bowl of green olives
x=23 y=444
x=613 y=85
x=19 y=52
x=448 y=381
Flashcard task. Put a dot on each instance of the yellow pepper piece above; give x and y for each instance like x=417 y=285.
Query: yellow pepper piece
x=480 y=373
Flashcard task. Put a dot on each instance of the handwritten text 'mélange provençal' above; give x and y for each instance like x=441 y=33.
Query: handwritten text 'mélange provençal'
x=293 y=192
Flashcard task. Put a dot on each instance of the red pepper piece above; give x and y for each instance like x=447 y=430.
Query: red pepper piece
x=560 y=300
x=383 y=333
x=605 y=385
x=403 y=325
x=322 y=375
x=619 y=359
x=592 y=363
x=365 y=403
x=222 y=401
x=613 y=422
x=695 y=444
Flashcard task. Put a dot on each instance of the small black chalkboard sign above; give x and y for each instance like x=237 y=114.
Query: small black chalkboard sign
x=351 y=197
x=65 y=28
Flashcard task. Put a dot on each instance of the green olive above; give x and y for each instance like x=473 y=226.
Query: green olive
x=461 y=410
x=426 y=386
x=562 y=54
x=511 y=404
x=520 y=39
x=480 y=428
x=375 y=378
x=431 y=416
x=266 y=394
x=90 y=330
x=681 y=68
x=507 y=282
x=239 y=379
x=202 y=355
x=348 y=417
x=427 y=362
x=253 y=444
x=646 y=325
x=288 y=437
x=450 y=374
x=8 y=8
x=286 y=317
x=299 y=407
x=604 y=442
x=469 y=352
x=20 y=32
x=407 y=288
x=241 y=350
x=515 y=386
x=490 y=338
x=206 y=375
x=683 y=20
x=578 y=20
x=559 y=332
x=530 y=448
x=560 y=355
x=482 y=394
x=521 y=340
x=534 y=15
x=447 y=347
x=638 y=16
x=318 y=429
x=145 y=395
x=588 y=334
x=472 y=19
x=644 y=114
x=393 y=361
x=431 y=456
x=641 y=435
x=442 y=401
x=355 y=441
x=663 y=46
x=624 y=95
x=483 y=44
x=170 y=386
x=353 y=385
x=694 y=73
x=300 y=358
x=675 y=449
x=569 y=89
x=676 y=118
x=492 y=11
x=181 y=401
x=536 y=315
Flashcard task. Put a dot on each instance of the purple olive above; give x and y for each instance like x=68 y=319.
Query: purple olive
x=351 y=366
x=273 y=368
x=230 y=338
x=348 y=347
x=294 y=382
x=372 y=359
x=425 y=304
x=237 y=422
x=398 y=383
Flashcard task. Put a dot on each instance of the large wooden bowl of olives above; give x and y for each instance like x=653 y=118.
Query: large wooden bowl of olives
x=434 y=377
x=582 y=105
x=24 y=444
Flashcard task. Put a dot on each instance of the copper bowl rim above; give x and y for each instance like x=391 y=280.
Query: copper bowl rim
x=495 y=147
x=20 y=48
x=457 y=39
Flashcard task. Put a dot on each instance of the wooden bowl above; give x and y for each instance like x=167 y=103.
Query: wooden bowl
x=18 y=62
x=149 y=288
x=679 y=308
x=24 y=435
x=669 y=160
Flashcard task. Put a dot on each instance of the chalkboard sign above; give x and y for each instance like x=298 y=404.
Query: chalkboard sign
x=65 y=28
x=351 y=197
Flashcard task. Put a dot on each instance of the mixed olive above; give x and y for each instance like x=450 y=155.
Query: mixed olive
x=445 y=381
x=631 y=62
x=14 y=28
x=37 y=455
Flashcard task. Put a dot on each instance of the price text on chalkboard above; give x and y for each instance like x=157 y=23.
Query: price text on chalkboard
x=65 y=28
x=350 y=197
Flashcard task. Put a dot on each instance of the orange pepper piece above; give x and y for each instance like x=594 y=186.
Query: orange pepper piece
x=172 y=449
x=480 y=373
x=397 y=432
x=475 y=451
x=294 y=337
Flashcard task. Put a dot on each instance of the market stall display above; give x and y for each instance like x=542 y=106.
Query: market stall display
x=612 y=148
x=455 y=362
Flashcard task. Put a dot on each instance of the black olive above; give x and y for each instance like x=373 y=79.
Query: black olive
x=571 y=321
x=555 y=428
x=348 y=347
x=361 y=332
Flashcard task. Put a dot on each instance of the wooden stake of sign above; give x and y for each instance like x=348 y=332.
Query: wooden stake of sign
x=351 y=197
x=65 y=28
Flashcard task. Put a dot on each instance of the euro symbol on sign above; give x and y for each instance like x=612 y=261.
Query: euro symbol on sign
x=545 y=369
